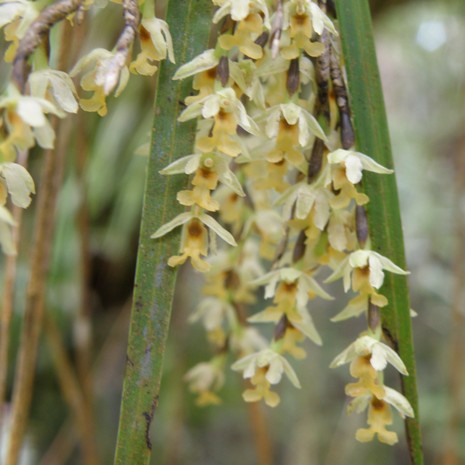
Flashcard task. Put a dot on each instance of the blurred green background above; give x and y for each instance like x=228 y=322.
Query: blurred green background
x=421 y=50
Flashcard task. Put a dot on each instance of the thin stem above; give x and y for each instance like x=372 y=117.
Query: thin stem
x=51 y=177
x=263 y=444
x=83 y=342
x=34 y=307
x=8 y=301
x=82 y=323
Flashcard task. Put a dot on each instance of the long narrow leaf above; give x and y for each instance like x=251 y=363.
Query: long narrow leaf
x=383 y=210
x=154 y=288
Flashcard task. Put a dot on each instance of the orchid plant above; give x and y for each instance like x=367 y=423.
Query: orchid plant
x=275 y=172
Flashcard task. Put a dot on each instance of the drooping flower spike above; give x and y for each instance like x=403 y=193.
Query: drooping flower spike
x=274 y=164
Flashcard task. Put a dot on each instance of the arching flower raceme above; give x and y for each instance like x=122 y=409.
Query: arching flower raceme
x=269 y=161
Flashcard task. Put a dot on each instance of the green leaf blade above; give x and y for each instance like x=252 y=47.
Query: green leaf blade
x=155 y=281
x=372 y=136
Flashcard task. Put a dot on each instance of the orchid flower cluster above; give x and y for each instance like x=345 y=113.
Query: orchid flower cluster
x=35 y=94
x=275 y=175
